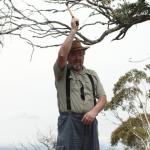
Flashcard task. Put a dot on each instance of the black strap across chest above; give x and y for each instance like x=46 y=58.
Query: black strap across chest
x=81 y=90
x=68 y=89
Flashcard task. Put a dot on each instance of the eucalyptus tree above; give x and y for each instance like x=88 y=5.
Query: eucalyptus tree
x=44 y=23
x=131 y=106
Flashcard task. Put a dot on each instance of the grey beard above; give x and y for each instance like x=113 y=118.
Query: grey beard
x=76 y=67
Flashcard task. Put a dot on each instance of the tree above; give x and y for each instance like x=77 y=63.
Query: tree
x=133 y=132
x=46 y=142
x=42 y=22
x=131 y=106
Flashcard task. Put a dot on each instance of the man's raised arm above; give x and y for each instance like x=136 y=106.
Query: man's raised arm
x=65 y=47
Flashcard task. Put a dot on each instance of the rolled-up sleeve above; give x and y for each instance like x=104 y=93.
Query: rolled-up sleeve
x=57 y=71
x=98 y=86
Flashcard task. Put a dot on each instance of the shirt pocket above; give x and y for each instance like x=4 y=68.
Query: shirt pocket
x=88 y=87
x=75 y=85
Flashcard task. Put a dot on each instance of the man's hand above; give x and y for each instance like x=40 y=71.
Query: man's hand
x=74 y=24
x=89 y=117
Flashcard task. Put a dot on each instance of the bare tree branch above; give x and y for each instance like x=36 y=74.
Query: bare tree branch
x=43 y=22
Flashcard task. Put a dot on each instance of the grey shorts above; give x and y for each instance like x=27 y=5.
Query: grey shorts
x=74 y=135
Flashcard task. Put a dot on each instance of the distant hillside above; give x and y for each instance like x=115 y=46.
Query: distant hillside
x=28 y=148
x=6 y=148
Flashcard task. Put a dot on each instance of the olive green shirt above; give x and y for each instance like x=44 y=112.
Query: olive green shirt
x=77 y=80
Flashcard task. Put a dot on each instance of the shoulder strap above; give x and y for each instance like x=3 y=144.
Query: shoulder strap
x=68 y=89
x=92 y=82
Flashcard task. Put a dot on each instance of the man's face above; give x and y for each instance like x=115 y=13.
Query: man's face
x=75 y=60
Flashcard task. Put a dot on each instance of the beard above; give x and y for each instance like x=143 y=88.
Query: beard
x=76 y=66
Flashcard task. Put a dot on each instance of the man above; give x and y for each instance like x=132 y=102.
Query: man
x=77 y=91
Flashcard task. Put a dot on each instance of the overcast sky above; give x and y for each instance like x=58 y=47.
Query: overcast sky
x=28 y=101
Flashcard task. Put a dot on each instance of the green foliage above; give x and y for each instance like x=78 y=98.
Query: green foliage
x=131 y=132
x=132 y=95
x=106 y=2
x=126 y=13
x=127 y=89
x=147 y=67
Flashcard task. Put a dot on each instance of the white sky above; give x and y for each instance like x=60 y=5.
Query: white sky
x=28 y=101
